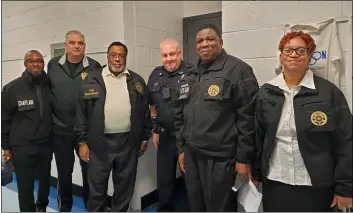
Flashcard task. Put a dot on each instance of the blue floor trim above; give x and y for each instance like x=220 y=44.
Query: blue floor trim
x=77 y=205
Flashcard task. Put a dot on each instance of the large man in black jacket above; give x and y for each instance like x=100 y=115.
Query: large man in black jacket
x=26 y=123
x=214 y=124
x=66 y=73
x=113 y=126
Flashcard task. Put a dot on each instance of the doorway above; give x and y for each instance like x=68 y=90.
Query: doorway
x=190 y=27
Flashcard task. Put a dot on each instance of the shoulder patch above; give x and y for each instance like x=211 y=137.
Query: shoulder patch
x=139 y=87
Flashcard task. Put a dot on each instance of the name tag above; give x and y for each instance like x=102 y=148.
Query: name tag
x=91 y=91
x=184 y=91
x=25 y=105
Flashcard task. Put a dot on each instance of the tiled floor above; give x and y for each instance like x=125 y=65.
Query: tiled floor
x=10 y=200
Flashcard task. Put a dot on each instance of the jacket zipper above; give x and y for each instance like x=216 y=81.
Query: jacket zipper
x=40 y=100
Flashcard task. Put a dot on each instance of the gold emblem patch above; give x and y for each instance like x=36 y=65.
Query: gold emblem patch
x=213 y=90
x=318 y=118
x=84 y=75
x=139 y=87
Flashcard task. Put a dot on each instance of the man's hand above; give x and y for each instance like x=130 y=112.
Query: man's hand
x=244 y=171
x=341 y=202
x=143 y=147
x=181 y=162
x=84 y=152
x=7 y=155
x=156 y=140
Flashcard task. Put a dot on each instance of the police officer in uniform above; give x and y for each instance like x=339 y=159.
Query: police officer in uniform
x=113 y=125
x=26 y=123
x=162 y=85
x=214 y=124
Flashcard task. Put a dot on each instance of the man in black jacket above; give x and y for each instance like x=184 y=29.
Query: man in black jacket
x=113 y=126
x=66 y=74
x=214 y=124
x=26 y=122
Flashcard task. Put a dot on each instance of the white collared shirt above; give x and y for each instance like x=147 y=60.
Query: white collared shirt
x=286 y=162
x=117 y=108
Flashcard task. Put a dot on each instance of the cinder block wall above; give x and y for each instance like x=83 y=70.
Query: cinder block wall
x=37 y=24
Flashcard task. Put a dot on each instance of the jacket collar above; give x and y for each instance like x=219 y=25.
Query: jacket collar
x=106 y=72
x=180 y=70
x=307 y=81
x=85 y=62
x=218 y=63
x=28 y=78
x=277 y=85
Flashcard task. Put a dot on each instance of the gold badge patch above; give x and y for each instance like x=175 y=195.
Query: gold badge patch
x=84 y=75
x=213 y=90
x=318 y=118
x=139 y=87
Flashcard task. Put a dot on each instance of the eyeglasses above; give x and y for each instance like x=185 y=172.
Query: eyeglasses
x=119 y=56
x=299 y=51
x=35 y=61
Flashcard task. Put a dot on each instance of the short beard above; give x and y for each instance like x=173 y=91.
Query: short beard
x=36 y=77
x=37 y=73
x=117 y=70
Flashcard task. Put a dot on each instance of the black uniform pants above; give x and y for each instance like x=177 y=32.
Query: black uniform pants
x=209 y=182
x=28 y=161
x=281 y=197
x=167 y=158
x=121 y=157
x=64 y=147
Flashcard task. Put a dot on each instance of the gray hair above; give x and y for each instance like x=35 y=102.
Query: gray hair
x=74 y=32
x=169 y=41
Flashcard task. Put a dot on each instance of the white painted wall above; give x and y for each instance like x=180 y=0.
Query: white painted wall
x=37 y=24
x=252 y=29
x=195 y=8
x=155 y=21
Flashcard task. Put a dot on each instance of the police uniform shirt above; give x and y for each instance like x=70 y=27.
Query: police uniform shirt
x=117 y=108
x=162 y=87
x=286 y=163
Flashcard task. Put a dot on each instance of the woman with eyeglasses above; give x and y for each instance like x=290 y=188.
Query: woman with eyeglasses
x=304 y=136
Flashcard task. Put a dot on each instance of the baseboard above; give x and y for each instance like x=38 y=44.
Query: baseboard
x=151 y=199
x=76 y=189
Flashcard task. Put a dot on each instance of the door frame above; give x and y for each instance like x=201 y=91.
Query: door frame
x=186 y=20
